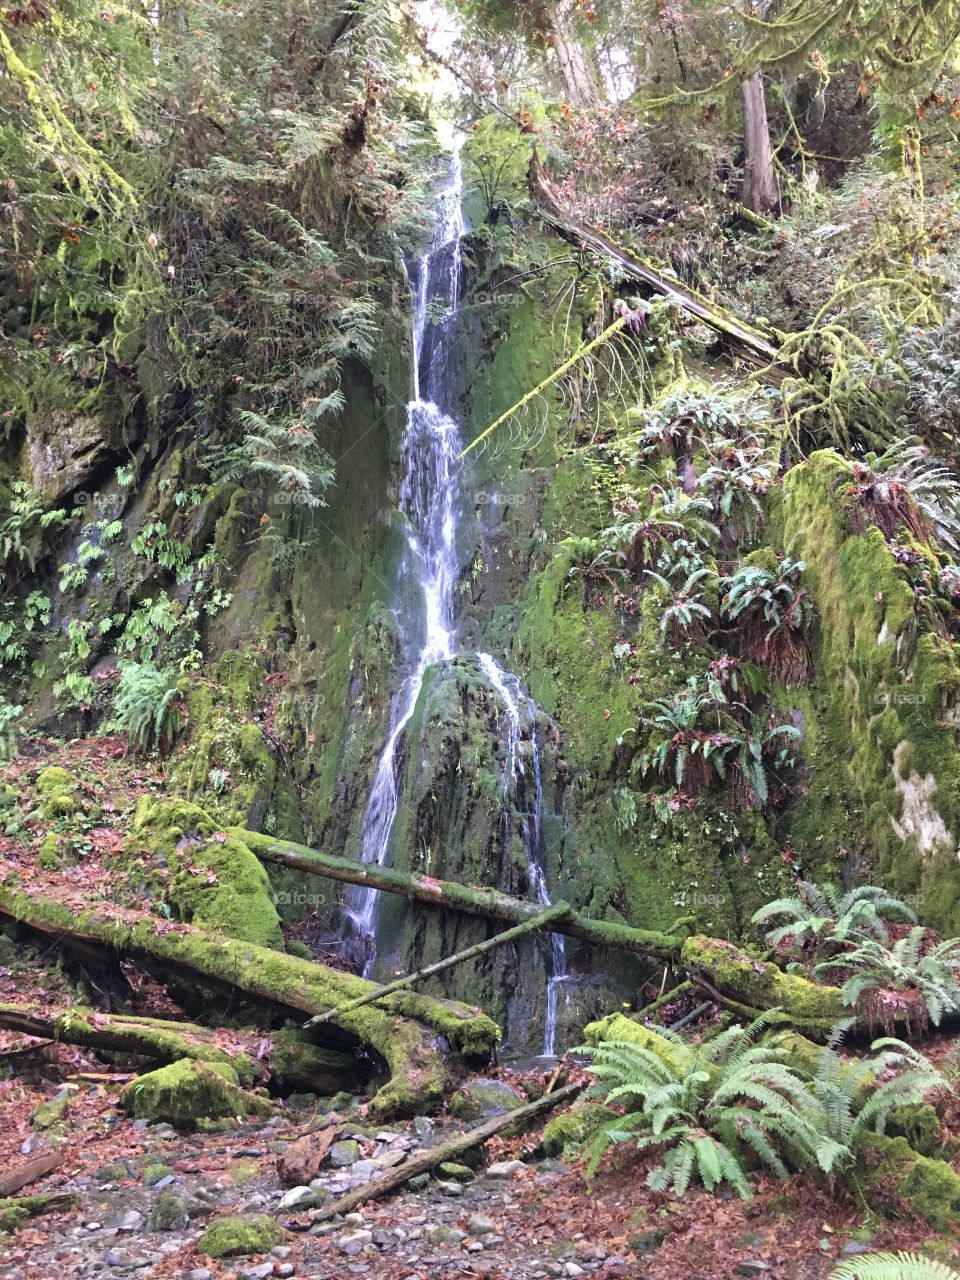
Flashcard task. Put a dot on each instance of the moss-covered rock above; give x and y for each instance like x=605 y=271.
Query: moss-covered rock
x=57 y=791
x=572 y=1128
x=172 y=1211
x=478 y=1099
x=893 y=1172
x=186 y=1092
x=239 y=1235
x=52 y=1111
x=216 y=881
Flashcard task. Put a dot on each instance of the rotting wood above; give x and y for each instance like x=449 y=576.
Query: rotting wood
x=23 y=1174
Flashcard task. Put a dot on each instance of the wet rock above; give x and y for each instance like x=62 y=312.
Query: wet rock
x=344 y=1153
x=300 y=1198
x=647 y=1242
x=505 y=1168
x=422 y=1125
x=481 y=1098
x=450 y=1189
x=172 y=1211
x=481 y=1225
x=441 y=1234
x=260 y=1272
x=452 y=1172
x=419 y=1181
x=354 y=1242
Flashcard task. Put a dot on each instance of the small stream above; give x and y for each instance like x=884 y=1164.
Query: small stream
x=430 y=502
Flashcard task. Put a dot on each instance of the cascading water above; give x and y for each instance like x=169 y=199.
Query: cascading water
x=519 y=707
x=429 y=501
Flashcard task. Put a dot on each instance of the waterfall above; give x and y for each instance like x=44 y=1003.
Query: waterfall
x=429 y=493
x=519 y=707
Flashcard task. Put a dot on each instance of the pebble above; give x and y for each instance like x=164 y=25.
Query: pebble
x=354 y=1242
x=260 y=1272
x=481 y=1225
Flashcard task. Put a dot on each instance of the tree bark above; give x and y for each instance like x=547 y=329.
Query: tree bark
x=760 y=193
x=423 y=1161
x=401 y=1030
x=489 y=903
x=581 y=82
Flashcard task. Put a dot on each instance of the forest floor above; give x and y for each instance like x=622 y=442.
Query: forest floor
x=143 y=1194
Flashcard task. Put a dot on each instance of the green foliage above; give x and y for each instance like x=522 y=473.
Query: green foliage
x=909 y=979
x=705 y=1106
x=773 y=614
x=686 y=611
x=892 y=1266
x=9 y=714
x=831 y=919
x=148 y=707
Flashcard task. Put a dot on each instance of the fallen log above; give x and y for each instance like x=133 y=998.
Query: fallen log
x=743 y=340
x=401 y=1031
x=23 y=1174
x=489 y=903
x=424 y=1161
x=14 y=1212
x=557 y=912
x=282 y=1054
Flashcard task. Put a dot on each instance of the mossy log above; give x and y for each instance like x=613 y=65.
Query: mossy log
x=400 y=1031
x=15 y=1211
x=286 y=1055
x=489 y=903
x=743 y=340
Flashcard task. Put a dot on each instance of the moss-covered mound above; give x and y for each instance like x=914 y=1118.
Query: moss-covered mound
x=241 y=1234
x=216 y=881
x=187 y=1092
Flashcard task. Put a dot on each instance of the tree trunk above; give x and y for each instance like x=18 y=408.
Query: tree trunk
x=581 y=83
x=403 y=1031
x=760 y=192
x=489 y=903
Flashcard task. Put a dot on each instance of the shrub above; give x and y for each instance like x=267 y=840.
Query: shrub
x=905 y=486
x=773 y=614
x=893 y=1266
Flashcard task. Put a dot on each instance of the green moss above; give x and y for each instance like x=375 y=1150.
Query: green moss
x=571 y=1129
x=14 y=1211
x=222 y=736
x=187 y=1091
x=881 y=721
x=52 y=1111
x=893 y=1171
x=239 y=1235
x=243 y=1171
x=919 y=1125
x=216 y=881
x=750 y=985
x=57 y=789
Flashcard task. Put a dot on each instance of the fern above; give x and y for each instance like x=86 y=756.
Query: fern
x=904 y=982
x=148 y=707
x=893 y=1266
x=827 y=918
x=705 y=1107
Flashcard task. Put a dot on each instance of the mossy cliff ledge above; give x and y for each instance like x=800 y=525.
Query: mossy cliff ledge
x=883 y=719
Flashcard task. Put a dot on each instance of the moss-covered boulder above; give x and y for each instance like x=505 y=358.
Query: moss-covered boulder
x=216 y=881
x=172 y=1211
x=52 y=1111
x=891 y=1172
x=480 y=1098
x=187 y=1092
x=240 y=1234
x=572 y=1128
x=57 y=791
